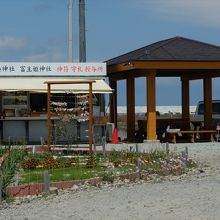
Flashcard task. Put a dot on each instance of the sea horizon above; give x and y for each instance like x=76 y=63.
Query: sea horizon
x=161 y=108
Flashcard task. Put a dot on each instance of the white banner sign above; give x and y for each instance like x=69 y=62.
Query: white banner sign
x=52 y=69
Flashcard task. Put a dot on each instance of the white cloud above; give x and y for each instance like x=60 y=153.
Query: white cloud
x=10 y=42
x=203 y=12
x=52 y=54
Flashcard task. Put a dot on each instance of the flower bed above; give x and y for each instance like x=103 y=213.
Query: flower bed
x=101 y=167
x=92 y=166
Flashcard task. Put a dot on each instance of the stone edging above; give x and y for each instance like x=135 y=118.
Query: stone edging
x=35 y=189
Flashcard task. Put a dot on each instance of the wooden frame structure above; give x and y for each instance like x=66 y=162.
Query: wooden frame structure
x=176 y=57
x=49 y=89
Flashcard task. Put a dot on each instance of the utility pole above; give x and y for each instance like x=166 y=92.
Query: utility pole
x=70 y=56
x=82 y=32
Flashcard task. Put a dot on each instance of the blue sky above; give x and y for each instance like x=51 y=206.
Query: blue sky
x=37 y=30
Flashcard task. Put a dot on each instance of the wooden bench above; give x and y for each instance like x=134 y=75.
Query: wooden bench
x=161 y=126
x=172 y=134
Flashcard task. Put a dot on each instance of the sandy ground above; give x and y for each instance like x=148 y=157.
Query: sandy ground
x=195 y=196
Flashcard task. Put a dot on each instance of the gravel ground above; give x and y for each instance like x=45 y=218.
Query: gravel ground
x=192 y=196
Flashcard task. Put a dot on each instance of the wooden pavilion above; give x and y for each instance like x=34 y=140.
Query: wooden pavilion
x=174 y=57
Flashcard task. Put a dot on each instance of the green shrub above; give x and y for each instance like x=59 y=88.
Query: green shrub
x=64 y=162
x=75 y=160
x=131 y=157
x=30 y=164
x=92 y=161
x=153 y=156
x=191 y=164
x=2 y=152
x=50 y=163
x=116 y=158
x=10 y=164
x=108 y=176
x=40 y=156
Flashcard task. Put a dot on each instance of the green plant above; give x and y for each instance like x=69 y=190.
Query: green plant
x=191 y=164
x=153 y=156
x=10 y=164
x=50 y=163
x=75 y=160
x=59 y=174
x=108 y=176
x=2 y=152
x=9 y=198
x=64 y=129
x=91 y=161
x=116 y=158
x=131 y=157
x=67 y=162
x=30 y=163
x=40 y=156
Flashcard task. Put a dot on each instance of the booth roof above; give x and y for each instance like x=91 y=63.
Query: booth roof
x=37 y=84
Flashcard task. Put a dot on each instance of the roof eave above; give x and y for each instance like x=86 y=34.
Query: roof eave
x=164 y=64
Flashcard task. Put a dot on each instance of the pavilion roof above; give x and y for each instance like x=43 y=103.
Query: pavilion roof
x=173 y=49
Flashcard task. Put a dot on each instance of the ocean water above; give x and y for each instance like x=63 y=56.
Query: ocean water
x=161 y=109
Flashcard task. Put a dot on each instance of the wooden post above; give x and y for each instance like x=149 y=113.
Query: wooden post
x=48 y=115
x=130 y=109
x=90 y=117
x=46 y=181
x=151 y=106
x=185 y=98
x=113 y=103
x=207 y=92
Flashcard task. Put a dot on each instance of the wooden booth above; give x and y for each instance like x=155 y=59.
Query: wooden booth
x=24 y=101
x=176 y=57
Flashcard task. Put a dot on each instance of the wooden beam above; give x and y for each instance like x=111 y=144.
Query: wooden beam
x=207 y=92
x=185 y=98
x=196 y=76
x=130 y=109
x=158 y=65
x=151 y=106
x=113 y=102
x=129 y=73
x=192 y=74
x=119 y=67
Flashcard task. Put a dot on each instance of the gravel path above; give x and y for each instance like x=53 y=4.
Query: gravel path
x=195 y=196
